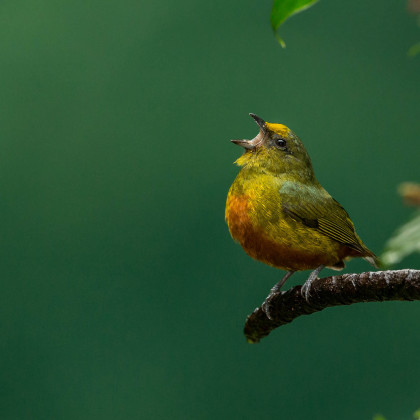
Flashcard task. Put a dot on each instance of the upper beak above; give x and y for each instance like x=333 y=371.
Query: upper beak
x=251 y=144
x=259 y=121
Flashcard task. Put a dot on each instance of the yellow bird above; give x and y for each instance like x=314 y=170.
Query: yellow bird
x=281 y=215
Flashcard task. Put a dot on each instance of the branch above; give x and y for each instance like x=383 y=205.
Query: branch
x=284 y=307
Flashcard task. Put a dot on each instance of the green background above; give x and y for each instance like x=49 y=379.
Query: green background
x=122 y=295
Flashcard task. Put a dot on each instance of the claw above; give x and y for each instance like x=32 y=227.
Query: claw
x=305 y=290
x=266 y=308
x=274 y=290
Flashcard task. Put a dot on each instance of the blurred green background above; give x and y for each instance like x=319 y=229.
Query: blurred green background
x=122 y=294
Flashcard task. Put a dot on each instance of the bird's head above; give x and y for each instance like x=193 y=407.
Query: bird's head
x=276 y=148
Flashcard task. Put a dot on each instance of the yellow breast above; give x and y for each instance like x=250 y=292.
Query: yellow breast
x=255 y=219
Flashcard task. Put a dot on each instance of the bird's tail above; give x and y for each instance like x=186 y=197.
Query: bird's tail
x=373 y=259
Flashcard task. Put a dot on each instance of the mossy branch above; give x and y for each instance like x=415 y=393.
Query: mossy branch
x=283 y=307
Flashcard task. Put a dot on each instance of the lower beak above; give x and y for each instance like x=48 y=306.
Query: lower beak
x=246 y=144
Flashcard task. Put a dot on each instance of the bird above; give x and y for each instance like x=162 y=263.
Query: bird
x=281 y=215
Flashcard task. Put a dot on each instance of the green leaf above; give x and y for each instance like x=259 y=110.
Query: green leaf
x=405 y=241
x=283 y=9
x=416 y=415
x=378 y=417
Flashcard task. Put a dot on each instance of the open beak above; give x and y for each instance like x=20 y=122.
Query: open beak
x=251 y=144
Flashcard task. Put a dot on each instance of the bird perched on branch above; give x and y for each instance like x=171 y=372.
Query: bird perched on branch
x=281 y=215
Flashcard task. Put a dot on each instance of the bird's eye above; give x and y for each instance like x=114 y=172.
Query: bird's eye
x=280 y=143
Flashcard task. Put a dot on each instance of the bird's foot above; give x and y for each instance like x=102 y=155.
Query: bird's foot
x=276 y=289
x=266 y=308
x=306 y=288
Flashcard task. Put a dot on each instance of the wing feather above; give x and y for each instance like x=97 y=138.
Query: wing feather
x=318 y=210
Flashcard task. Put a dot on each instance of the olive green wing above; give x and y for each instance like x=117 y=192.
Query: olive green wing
x=316 y=209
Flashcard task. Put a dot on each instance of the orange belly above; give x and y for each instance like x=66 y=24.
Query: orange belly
x=273 y=252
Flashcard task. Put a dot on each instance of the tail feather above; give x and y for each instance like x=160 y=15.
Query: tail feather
x=374 y=260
